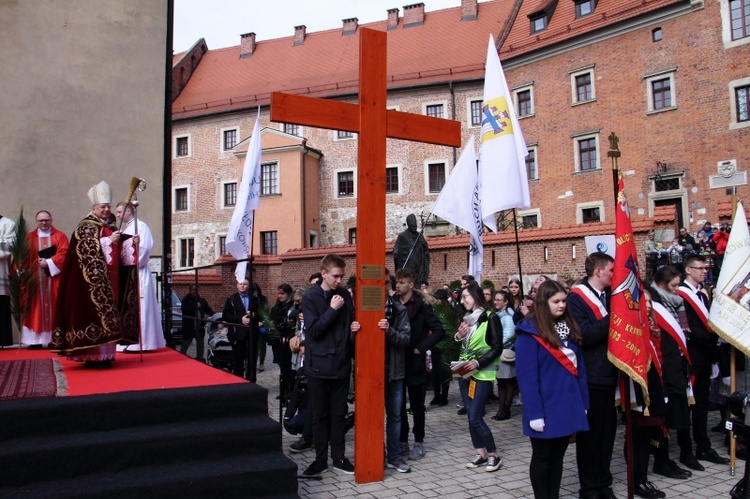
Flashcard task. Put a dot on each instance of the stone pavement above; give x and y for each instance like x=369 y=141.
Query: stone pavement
x=442 y=472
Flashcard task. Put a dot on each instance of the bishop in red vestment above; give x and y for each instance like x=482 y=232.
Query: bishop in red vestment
x=48 y=247
x=97 y=301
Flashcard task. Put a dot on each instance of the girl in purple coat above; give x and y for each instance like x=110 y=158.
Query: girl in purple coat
x=552 y=378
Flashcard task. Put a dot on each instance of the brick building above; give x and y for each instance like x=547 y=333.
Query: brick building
x=670 y=77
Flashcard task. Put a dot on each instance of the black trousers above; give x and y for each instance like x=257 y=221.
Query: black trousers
x=699 y=412
x=440 y=376
x=240 y=354
x=594 y=447
x=327 y=399
x=546 y=468
x=6 y=329
x=416 y=403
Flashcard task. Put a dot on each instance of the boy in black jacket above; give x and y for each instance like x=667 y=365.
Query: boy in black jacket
x=426 y=332
x=329 y=312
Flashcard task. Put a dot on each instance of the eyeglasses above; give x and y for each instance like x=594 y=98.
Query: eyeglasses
x=46 y=220
x=700 y=269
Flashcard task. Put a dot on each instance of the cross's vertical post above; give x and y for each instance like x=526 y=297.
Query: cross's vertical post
x=374 y=123
x=369 y=382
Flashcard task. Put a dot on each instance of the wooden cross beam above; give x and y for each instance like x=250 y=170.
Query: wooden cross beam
x=374 y=123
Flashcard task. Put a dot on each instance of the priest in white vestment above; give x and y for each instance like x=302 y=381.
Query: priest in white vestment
x=151 y=329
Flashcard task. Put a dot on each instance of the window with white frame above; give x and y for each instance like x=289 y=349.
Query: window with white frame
x=586 y=152
x=229 y=138
x=344 y=135
x=475 y=112
x=229 y=194
x=523 y=98
x=739 y=103
x=270 y=242
x=392 y=180
x=532 y=172
x=530 y=219
x=182 y=146
x=590 y=212
x=353 y=235
x=185 y=252
x=435 y=173
x=582 y=84
x=345 y=184
x=292 y=129
x=181 y=199
x=739 y=14
x=434 y=109
x=661 y=94
x=269 y=179
x=221 y=245
x=735 y=22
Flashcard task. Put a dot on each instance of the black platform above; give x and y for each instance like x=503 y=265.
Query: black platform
x=214 y=441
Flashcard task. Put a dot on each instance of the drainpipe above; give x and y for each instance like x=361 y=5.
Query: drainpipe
x=453 y=113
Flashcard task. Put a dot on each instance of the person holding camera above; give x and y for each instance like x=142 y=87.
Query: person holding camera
x=720 y=239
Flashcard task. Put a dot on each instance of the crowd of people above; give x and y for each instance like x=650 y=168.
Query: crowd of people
x=547 y=347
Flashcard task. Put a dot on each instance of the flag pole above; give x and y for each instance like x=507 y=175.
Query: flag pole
x=614 y=155
x=250 y=344
x=518 y=251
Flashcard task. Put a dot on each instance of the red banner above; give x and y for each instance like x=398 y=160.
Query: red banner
x=629 y=333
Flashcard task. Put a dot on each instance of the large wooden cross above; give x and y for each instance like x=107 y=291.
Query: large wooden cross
x=373 y=122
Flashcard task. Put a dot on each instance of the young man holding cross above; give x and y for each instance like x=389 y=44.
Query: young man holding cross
x=329 y=312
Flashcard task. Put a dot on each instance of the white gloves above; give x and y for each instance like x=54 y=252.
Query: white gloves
x=537 y=424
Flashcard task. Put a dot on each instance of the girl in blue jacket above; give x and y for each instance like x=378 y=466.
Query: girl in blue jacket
x=552 y=378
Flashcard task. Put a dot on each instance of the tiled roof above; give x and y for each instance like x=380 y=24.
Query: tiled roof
x=725 y=211
x=442 y=49
x=563 y=24
x=665 y=213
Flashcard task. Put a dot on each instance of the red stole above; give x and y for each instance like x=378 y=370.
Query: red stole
x=558 y=354
x=695 y=303
x=593 y=301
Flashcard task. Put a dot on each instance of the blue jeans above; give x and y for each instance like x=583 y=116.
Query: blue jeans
x=394 y=396
x=481 y=436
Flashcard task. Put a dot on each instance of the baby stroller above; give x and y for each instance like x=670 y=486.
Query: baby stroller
x=219 y=350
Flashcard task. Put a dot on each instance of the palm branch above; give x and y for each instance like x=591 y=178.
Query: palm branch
x=23 y=278
x=448 y=346
x=264 y=312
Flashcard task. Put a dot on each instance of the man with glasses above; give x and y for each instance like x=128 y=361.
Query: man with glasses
x=703 y=350
x=47 y=246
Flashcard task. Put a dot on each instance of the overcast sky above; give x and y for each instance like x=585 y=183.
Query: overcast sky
x=221 y=22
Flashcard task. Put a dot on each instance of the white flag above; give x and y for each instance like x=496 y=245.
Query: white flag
x=458 y=203
x=730 y=310
x=503 y=183
x=248 y=197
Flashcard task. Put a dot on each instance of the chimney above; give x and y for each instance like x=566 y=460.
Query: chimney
x=468 y=10
x=350 y=26
x=413 y=15
x=392 y=18
x=299 y=34
x=247 y=45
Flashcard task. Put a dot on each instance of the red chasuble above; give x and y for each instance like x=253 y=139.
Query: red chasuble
x=97 y=299
x=43 y=302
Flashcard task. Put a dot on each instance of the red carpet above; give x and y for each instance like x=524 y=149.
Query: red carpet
x=165 y=368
